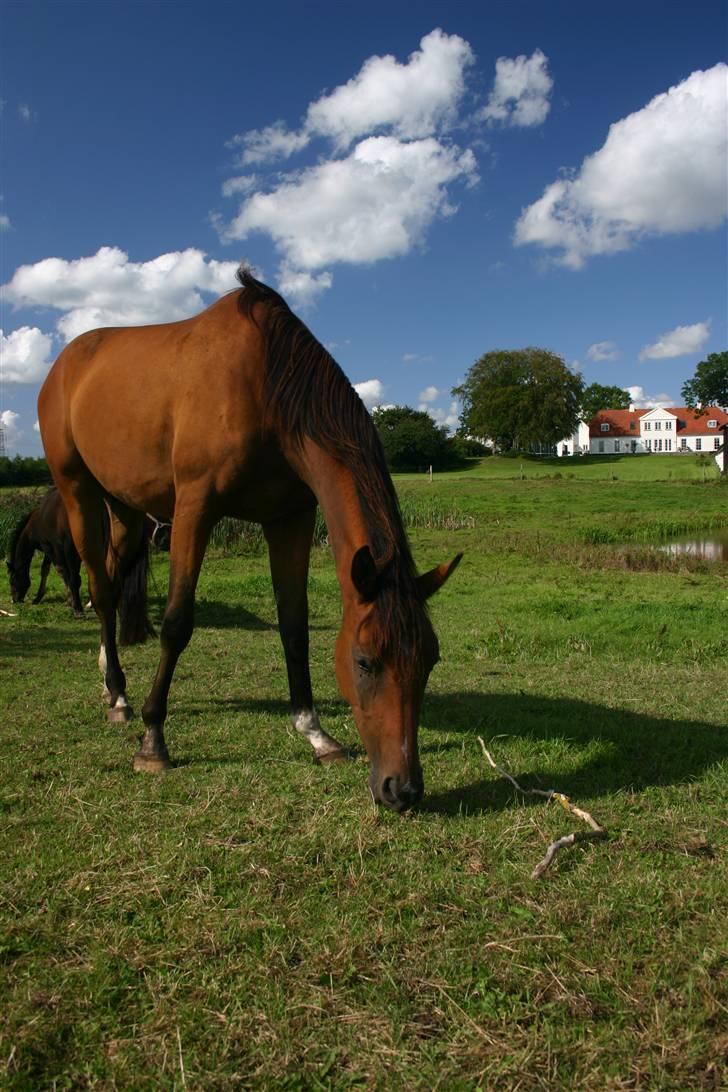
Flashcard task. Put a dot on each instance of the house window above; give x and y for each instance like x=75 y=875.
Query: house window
x=668 y=445
x=658 y=445
x=698 y=444
x=716 y=444
x=648 y=426
x=633 y=425
x=601 y=446
x=668 y=425
x=616 y=445
x=658 y=426
x=712 y=424
x=605 y=428
x=648 y=445
x=683 y=444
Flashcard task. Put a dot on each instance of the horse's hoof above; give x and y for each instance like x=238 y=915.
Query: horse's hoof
x=119 y=714
x=329 y=758
x=151 y=763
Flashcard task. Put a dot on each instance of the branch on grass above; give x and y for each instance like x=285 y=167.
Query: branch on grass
x=597 y=831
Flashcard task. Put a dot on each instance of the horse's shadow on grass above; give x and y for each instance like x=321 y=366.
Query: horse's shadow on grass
x=608 y=749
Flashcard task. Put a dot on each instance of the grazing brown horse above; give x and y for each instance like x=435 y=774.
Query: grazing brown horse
x=241 y=412
x=45 y=529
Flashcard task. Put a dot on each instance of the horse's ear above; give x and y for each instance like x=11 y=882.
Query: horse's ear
x=431 y=582
x=364 y=574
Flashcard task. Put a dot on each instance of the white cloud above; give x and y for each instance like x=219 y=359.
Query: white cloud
x=25 y=113
x=603 y=350
x=243 y=183
x=376 y=203
x=36 y=426
x=4 y=222
x=106 y=289
x=678 y=342
x=9 y=422
x=412 y=100
x=641 y=400
x=449 y=417
x=25 y=355
x=520 y=95
x=301 y=287
x=662 y=169
x=371 y=392
x=429 y=394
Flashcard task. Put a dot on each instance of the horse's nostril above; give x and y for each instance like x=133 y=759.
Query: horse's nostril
x=398 y=796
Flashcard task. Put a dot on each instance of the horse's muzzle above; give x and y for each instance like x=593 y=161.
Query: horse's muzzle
x=399 y=797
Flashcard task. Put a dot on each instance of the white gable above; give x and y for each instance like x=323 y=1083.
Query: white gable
x=658 y=415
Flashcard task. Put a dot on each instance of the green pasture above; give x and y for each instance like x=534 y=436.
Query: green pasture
x=250 y=920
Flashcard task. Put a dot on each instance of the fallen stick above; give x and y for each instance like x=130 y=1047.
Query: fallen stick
x=597 y=831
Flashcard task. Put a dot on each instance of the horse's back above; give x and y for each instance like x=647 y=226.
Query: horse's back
x=143 y=407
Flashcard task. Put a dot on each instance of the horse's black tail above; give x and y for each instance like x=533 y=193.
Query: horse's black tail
x=134 y=624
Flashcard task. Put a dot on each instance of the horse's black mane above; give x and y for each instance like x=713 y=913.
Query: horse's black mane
x=308 y=395
x=15 y=537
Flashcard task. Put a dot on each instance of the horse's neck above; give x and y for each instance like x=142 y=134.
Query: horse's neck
x=335 y=489
x=25 y=547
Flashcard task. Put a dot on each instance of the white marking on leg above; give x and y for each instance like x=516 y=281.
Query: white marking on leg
x=102 y=668
x=121 y=702
x=307 y=723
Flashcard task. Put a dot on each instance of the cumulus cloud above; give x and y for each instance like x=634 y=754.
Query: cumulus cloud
x=449 y=417
x=371 y=392
x=429 y=394
x=25 y=355
x=107 y=289
x=411 y=100
x=9 y=423
x=641 y=400
x=678 y=342
x=661 y=170
x=603 y=350
x=4 y=222
x=520 y=95
x=375 y=203
x=301 y=287
x=386 y=177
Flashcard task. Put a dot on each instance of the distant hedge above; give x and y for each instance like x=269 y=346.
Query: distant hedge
x=23 y=470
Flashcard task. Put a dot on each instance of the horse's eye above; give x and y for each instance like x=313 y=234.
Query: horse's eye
x=364 y=665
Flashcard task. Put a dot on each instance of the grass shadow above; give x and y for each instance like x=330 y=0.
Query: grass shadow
x=633 y=750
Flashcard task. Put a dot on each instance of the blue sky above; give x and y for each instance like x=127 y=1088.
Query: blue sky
x=423 y=182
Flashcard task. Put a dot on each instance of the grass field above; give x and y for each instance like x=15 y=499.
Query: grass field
x=250 y=920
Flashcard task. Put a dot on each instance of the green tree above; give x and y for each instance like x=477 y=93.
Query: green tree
x=709 y=385
x=598 y=397
x=518 y=397
x=411 y=439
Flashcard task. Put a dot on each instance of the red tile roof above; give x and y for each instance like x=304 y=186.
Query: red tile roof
x=693 y=423
x=689 y=422
x=618 y=420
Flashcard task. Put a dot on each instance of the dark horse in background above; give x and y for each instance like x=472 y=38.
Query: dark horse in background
x=240 y=412
x=46 y=530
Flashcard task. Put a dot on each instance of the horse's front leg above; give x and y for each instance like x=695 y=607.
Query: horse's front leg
x=190 y=532
x=289 y=549
x=44 y=570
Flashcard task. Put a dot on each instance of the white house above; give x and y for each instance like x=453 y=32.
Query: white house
x=618 y=432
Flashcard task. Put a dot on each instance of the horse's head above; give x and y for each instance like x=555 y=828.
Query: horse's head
x=384 y=654
x=19 y=576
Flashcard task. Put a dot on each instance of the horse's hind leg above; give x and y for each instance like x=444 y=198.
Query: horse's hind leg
x=190 y=532
x=44 y=570
x=83 y=499
x=72 y=568
x=289 y=549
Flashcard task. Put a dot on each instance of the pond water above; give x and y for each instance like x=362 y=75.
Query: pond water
x=712 y=545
